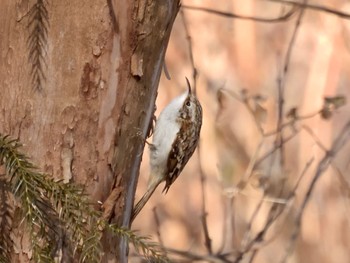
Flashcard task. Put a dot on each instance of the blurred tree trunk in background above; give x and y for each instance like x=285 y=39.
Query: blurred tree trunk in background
x=78 y=87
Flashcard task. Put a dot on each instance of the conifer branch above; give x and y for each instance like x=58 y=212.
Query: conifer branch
x=6 y=216
x=150 y=250
x=38 y=30
x=51 y=208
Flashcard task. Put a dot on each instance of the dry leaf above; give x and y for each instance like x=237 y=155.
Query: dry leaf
x=330 y=105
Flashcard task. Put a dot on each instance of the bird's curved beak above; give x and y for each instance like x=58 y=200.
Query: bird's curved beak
x=188 y=85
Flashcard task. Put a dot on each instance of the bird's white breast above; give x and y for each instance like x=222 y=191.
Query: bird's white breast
x=164 y=135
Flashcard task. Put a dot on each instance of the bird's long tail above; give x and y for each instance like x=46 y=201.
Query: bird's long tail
x=150 y=190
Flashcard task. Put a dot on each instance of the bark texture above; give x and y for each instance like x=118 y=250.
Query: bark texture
x=141 y=34
x=88 y=123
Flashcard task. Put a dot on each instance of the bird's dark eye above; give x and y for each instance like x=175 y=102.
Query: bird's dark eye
x=188 y=103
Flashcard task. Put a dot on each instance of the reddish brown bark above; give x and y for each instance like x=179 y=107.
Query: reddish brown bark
x=88 y=123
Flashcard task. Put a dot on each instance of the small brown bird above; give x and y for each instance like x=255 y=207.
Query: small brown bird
x=175 y=138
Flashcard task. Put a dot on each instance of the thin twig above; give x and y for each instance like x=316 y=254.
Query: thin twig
x=275 y=148
x=282 y=18
x=247 y=233
x=216 y=258
x=231 y=192
x=160 y=239
x=282 y=84
x=207 y=239
x=259 y=238
x=291 y=45
x=189 y=41
x=204 y=214
x=314 y=7
x=292 y=122
x=343 y=181
x=341 y=140
x=274 y=213
x=229 y=238
x=243 y=181
x=291 y=197
x=281 y=91
x=314 y=137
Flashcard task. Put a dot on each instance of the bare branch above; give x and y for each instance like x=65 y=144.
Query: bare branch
x=217 y=258
x=314 y=137
x=207 y=239
x=275 y=148
x=281 y=91
x=314 y=7
x=190 y=51
x=282 y=18
x=323 y=165
x=160 y=239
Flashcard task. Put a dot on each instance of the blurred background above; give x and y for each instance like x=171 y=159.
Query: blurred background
x=256 y=174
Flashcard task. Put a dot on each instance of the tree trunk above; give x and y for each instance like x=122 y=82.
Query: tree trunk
x=81 y=96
